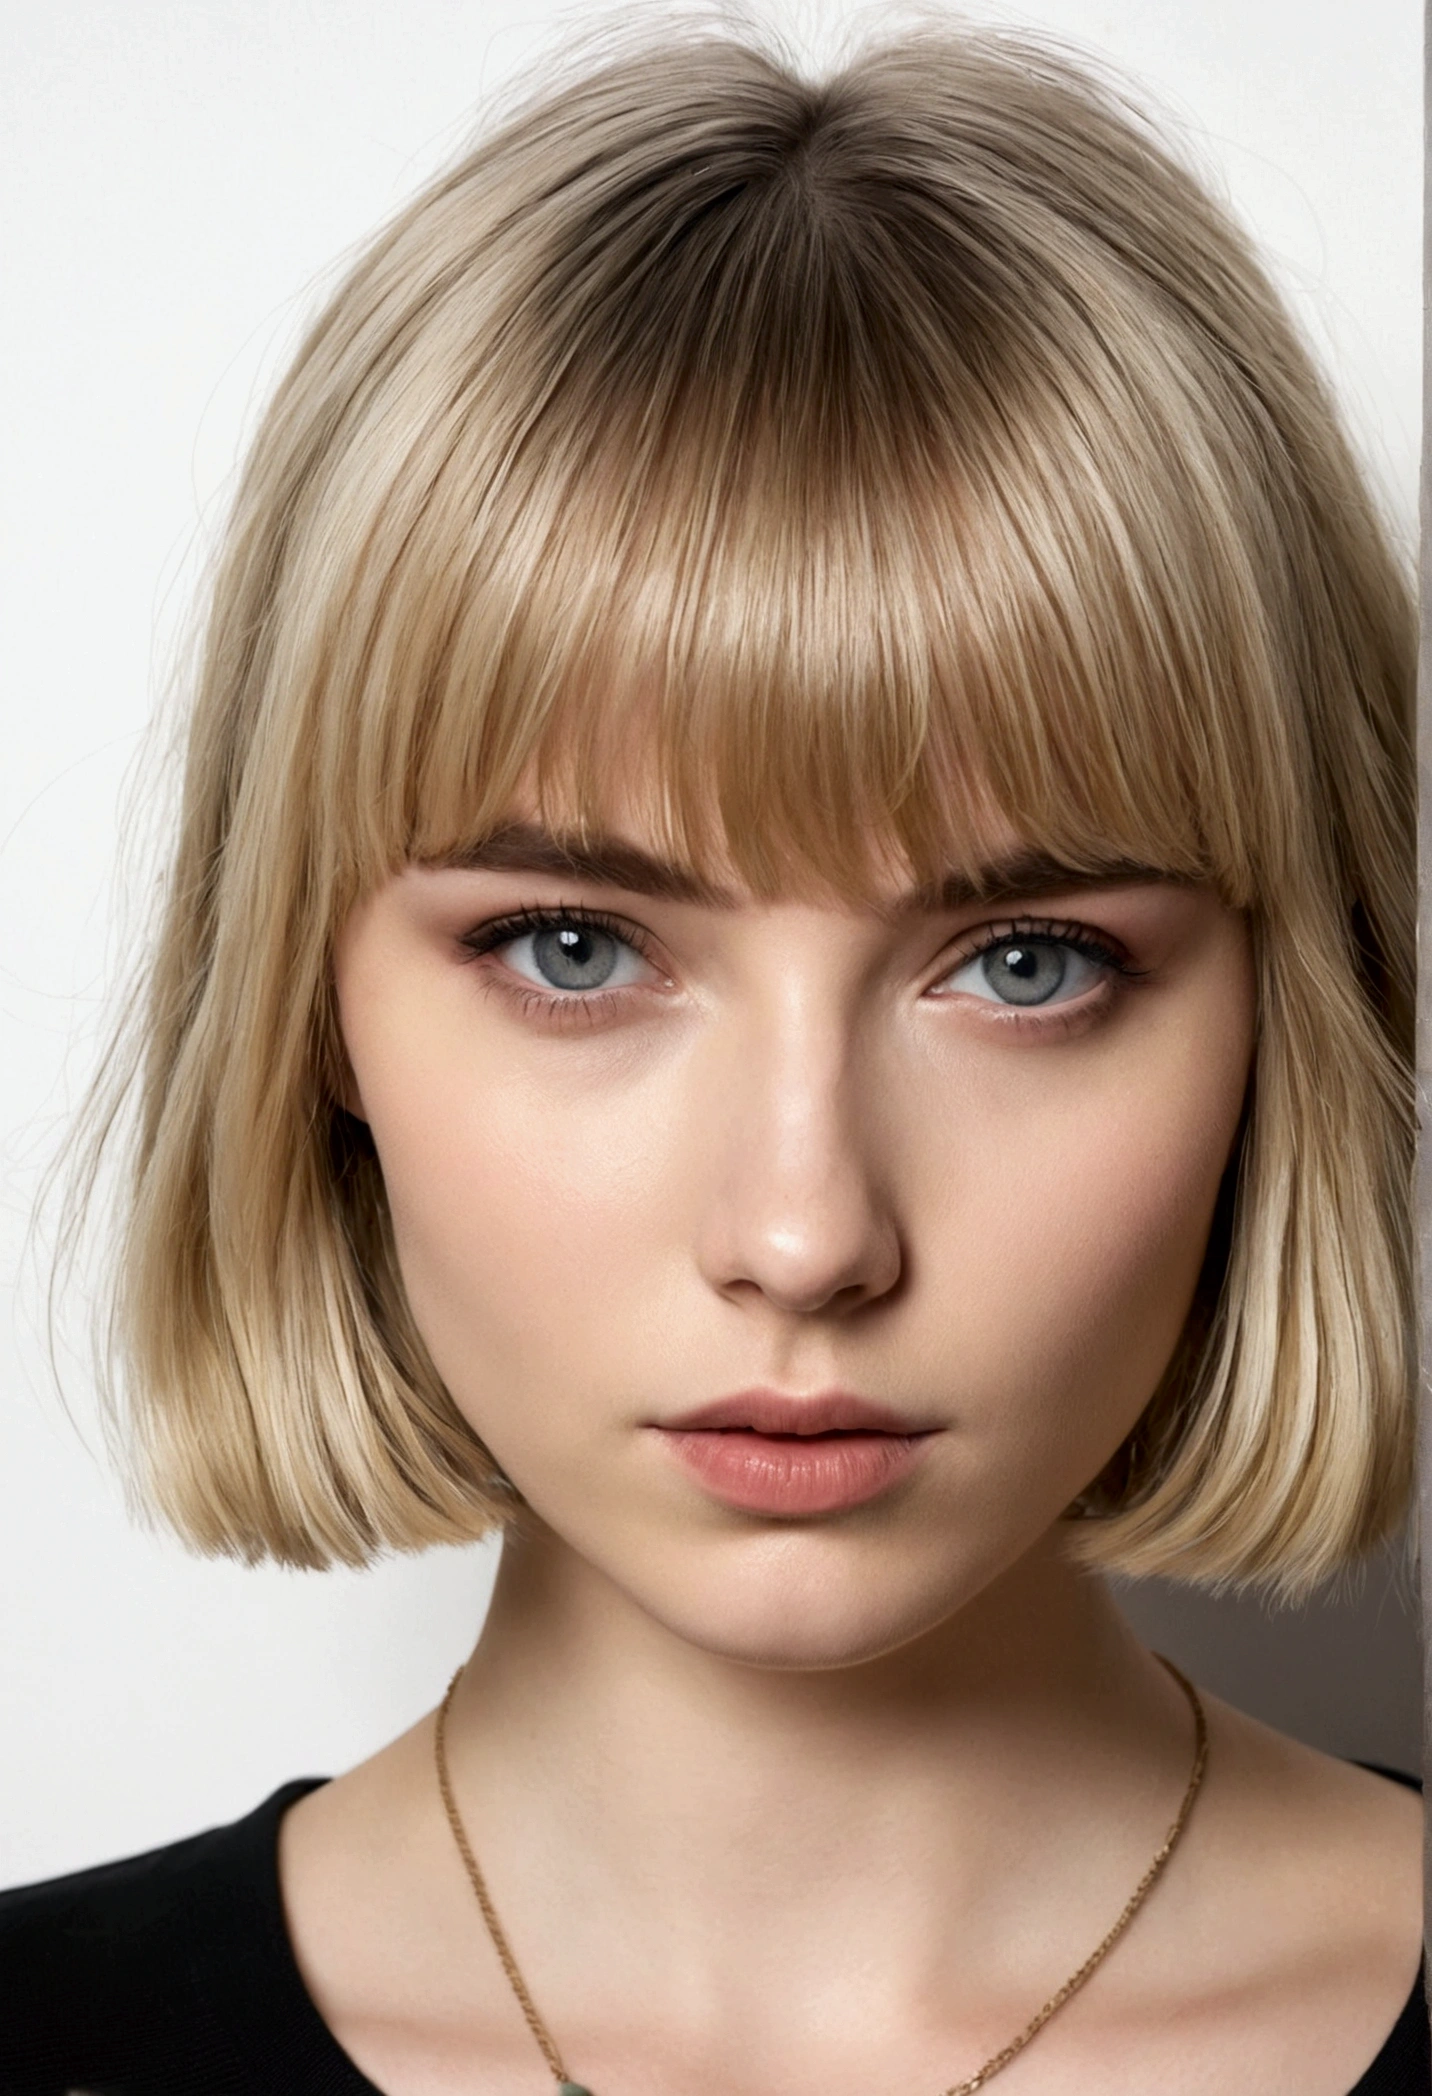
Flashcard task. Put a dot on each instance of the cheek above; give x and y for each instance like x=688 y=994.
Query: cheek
x=523 y=1229
x=1093 y=1206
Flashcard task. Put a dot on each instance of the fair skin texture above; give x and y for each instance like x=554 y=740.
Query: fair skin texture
x=771 y=1803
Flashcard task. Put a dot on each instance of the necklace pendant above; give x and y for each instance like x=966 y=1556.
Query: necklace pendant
x=572 y=2088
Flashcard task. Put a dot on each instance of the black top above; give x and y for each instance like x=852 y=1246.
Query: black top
x=171 y=1974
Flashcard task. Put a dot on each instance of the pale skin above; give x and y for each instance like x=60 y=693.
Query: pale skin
x=780 y=1804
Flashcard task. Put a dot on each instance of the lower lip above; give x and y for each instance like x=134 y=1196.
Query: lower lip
x=791 y=1473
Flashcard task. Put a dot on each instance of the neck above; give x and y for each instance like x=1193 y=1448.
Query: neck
x=688 y=1786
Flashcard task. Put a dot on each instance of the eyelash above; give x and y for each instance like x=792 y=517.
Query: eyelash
x=1080 y=937
x=585 y=1008
x=557 y=1007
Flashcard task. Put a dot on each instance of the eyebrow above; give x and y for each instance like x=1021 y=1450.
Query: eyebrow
x=611 y=862
x=1022 y=874
x=525 y=847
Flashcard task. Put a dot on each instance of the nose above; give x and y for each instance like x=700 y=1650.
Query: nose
x=798 y=1211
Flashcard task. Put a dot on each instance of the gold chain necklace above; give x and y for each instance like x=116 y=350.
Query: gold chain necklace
x=567 y=2087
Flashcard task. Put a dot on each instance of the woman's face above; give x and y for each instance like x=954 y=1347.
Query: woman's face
x=917 y=1194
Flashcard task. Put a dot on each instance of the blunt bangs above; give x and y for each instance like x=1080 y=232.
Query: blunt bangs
x=852 y=527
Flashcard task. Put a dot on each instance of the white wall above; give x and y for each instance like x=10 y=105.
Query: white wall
x=178 y=173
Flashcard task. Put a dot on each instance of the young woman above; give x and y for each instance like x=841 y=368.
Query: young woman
x=787 y=973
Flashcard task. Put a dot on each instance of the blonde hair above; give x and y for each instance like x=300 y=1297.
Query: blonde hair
x=873 y=447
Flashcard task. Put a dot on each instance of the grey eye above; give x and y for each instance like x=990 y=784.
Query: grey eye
x=1026 y=971
x=574 y=956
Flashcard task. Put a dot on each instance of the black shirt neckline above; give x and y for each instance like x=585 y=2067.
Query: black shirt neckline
x=174 y=1972
x=338 y=2074
x=1399 y=2068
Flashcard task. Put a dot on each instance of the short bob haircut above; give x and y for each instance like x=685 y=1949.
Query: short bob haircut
x=882 y=452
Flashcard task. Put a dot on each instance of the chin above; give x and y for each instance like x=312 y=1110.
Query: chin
x=788 y=1608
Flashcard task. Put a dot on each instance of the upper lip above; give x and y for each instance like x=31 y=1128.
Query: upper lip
x=772 y=1412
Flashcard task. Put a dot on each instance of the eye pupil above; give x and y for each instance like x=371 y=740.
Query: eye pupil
x=1026 y=971
x=575 y=956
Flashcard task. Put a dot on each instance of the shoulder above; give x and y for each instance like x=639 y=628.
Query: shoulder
x=95 y=1966
x=1317 y=1956
x=1347 y=1837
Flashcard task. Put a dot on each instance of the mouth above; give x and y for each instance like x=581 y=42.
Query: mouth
x=763 y=1452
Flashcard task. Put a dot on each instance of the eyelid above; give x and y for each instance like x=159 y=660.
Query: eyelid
x=1087 y=939
x=497 y=931
x=1096 y=948
x=491 y=933
x=516 y=924
x=547 y=1003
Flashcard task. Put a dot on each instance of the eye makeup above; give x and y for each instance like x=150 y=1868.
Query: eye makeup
x=581 y=962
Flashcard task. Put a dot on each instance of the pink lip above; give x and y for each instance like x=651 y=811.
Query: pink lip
x=765 y=1453
x=771 y=1412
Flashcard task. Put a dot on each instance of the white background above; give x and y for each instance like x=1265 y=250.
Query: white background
x=180 y=175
